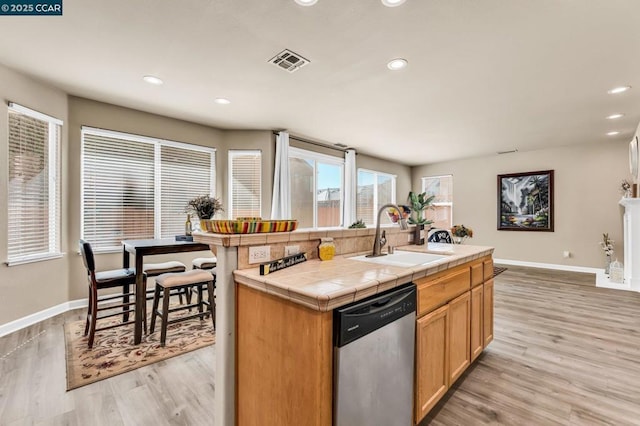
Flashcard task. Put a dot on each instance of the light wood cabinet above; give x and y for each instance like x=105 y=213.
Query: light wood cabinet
x=477 y=330
x=432 y=355
x=487 y=308
x=458 y=335
x=454 y=325
x=284 y=353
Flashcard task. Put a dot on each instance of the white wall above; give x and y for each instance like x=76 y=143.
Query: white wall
x=586 y=193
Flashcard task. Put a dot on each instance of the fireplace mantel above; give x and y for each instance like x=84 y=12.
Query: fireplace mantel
x=631 y=223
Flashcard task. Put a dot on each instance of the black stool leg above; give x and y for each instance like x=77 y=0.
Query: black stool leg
x=200 y=304
x=212 y=303
x=125 y=301
x=154 y=311
x=165 y=315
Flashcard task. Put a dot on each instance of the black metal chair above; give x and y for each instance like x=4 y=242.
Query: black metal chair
x=125 y=278
x=439 y=236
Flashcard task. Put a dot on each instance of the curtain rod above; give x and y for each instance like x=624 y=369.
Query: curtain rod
x=316 y=143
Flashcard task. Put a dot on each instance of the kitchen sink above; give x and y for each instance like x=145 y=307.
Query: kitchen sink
x=402 y=258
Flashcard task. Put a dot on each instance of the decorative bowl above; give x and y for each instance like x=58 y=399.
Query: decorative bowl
x=247 y=226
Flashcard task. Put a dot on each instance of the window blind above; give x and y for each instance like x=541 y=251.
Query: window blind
x=33 y=201
x=245 y=175
x=118 y=190
x=185 y=174
x=134 y=187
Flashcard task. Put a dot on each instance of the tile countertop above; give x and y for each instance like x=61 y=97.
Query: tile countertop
x=327 y=285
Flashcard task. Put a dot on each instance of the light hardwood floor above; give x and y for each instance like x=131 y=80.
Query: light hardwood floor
x=564 y=353
x=177 y=391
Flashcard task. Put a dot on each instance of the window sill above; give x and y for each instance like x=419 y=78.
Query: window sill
x=33 y=259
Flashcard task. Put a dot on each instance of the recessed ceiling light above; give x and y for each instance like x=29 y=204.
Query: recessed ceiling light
x=152 y=80
x=222 y=101
x=620 y=89
x=306 y=2
x=397 y=64
x=615 y=132
x=614 y=116
x=392 y=3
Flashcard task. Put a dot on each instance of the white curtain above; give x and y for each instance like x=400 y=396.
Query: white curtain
x=350 y=187
x=281 y=201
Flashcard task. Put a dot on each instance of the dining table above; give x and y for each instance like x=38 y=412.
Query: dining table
x=141 y=248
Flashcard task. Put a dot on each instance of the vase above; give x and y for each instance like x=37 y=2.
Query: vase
x=607 y=265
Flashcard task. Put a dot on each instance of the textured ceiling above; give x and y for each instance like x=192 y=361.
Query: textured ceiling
x=483 y=76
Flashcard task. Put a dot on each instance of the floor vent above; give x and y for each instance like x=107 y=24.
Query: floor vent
x=289 y=61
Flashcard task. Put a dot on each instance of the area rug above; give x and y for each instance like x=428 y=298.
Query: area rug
x=114 y=353
x=497 y=270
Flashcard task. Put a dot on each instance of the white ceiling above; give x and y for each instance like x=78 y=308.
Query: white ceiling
x=483 y=76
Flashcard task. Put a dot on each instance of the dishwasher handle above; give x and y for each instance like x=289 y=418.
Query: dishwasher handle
x=363 y=317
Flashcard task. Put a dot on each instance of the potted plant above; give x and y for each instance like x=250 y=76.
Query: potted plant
x=461 y=233
x=358 y=224
x=204 y=206
x=419 y=203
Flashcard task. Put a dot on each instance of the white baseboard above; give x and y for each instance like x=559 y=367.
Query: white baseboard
x=549 y=266
x=602 y=280
x=23 y=322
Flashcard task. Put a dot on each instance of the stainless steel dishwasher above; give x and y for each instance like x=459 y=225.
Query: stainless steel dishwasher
x=374 y=342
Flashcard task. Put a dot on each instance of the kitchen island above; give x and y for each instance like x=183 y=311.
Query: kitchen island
x=283 y=324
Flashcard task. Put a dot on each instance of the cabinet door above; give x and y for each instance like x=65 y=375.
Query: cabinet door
x=459 y=331
x=477 y=331
x=487 y=318
x=477 y=273
x=431 y=360
x=488 y=269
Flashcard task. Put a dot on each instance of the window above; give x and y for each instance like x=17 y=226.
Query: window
x=316 y=188
x=442 y=188
x=245 y=190
x=34 y=186
x=375 y=189
x=135 y=187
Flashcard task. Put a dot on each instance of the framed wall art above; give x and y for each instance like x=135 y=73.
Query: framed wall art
x=525 y=201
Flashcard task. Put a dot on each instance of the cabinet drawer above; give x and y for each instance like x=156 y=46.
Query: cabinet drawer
x=434 y=292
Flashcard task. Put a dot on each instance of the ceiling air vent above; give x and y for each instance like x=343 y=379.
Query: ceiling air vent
x=288 y=60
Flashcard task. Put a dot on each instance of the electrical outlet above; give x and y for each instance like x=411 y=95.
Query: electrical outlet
x=291 y=250
x=259 y=254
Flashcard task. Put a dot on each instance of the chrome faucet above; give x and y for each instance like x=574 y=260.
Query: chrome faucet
x=378 y=241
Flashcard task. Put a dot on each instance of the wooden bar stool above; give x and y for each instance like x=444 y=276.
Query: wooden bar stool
x=113 y=304
x=204 y=262
x=157 y=269
x=182 y=281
